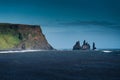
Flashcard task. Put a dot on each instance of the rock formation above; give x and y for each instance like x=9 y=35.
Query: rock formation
x=77 y=46
x=85 y=46
x=94 y=46
x=20 y=36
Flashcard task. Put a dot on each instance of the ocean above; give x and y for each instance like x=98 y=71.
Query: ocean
x=60 y=65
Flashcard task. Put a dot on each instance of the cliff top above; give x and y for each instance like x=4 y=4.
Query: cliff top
x=17 y=24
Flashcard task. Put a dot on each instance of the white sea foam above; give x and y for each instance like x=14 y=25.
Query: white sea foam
x=20 y=51
x=106 y=51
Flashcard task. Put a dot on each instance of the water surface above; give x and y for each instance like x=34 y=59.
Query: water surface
x=60 y=65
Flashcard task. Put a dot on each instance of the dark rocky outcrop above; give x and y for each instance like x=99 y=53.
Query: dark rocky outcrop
x=94 y=46
x=20 y=36
x=85 y=46
x=77 y=46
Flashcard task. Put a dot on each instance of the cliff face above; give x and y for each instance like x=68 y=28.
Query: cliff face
x=19 y=36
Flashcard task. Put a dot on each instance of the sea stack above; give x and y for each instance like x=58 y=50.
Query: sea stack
x=77 y=46
x=21 y=36
x=94 y=46
x=85 y=46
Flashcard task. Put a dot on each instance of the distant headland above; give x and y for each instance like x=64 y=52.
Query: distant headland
x=22 y=36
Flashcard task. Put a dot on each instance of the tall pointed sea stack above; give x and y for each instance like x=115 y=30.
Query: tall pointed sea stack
x=94 y=46
x=85 y=46
x=77 y=46
x=20 y=36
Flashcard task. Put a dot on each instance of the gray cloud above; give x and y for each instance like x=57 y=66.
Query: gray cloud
x=97 y=23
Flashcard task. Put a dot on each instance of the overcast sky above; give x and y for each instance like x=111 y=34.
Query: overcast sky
x=66 y=21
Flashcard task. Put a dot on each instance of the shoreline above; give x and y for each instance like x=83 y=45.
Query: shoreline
x=19 y=51
x=35 y=50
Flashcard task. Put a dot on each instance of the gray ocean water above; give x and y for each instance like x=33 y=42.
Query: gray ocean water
x=60 y=65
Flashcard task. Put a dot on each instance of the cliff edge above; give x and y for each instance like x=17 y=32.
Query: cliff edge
x=20 y=36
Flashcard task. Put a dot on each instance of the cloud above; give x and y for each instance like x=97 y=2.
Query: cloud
x=97 y=23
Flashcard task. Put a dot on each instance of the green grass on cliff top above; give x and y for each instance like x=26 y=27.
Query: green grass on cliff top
x=8 y=41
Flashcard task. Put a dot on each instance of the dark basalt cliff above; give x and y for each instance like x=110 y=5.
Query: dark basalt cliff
x=20 y=36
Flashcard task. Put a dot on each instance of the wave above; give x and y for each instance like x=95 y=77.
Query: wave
x=106 y=51
x=20 y=51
